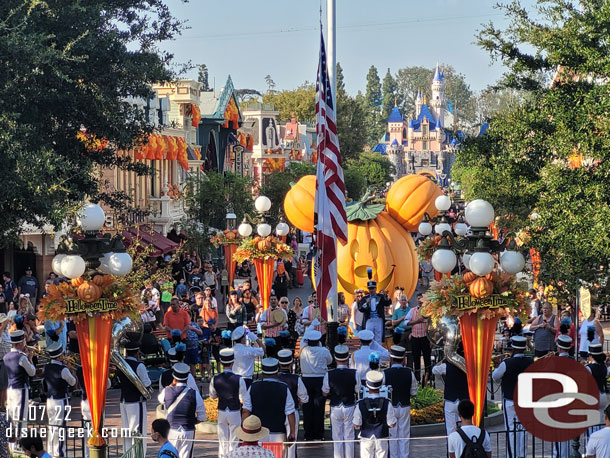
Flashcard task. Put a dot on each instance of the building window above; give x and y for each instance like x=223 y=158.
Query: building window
x=153 y=179
x=404 y=134
x=425 y=129
x=425 y=145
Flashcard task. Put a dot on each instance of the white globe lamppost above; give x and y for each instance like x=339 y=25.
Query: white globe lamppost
x=94 y=253
x=282 y=229
x=478 y=246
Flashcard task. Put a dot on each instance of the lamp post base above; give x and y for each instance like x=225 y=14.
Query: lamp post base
x=98 y=452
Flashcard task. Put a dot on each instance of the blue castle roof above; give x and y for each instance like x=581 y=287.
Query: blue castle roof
x=425 y=112
x=438 y=75
x=395 y=143
x=395 y=115
x=380 y=148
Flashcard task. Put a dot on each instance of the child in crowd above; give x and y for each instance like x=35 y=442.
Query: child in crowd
x=181 y=289
x=192 y=347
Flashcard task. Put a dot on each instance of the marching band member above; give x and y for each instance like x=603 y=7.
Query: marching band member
x=507 y=374
x=598 y=369
x=373 y=307
x=57 y=377
x=563 y=346
x=374 y=415
x=314 y=364
x=297 y=390
x=404 y=385
x=231 y=391
x=360 y=358
x=340 y=385
x=273 y=404
x=455 y=391
x=19 y=369
x=185 y=408
x=176 y=356
x=562 y=449
x=245 y=355
x=133 y=404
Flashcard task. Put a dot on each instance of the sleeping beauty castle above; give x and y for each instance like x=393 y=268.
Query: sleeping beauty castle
x=427 y=142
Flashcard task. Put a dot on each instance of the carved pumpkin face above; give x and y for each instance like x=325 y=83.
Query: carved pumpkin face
x=410 y=197
x=382 y=244
x=481 y=287
x=89 y=292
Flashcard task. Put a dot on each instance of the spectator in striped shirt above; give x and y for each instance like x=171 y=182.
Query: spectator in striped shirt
x=419 y=341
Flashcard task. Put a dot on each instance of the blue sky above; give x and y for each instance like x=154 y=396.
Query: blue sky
x=250 y=39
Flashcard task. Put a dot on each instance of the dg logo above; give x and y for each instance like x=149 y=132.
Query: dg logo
x=557 y=399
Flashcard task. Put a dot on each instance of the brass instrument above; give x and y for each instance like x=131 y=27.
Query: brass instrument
x=497 y=359
x=119 y=331
x=447 y=331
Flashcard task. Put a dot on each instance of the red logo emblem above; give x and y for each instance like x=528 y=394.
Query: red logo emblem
x=557 y=399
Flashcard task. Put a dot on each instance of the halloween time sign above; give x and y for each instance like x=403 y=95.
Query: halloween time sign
x=466 y=302
x=79 y=306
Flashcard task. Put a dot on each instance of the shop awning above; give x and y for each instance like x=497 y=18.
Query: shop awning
x=146 y=236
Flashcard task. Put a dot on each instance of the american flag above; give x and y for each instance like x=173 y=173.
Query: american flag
x=329 y=216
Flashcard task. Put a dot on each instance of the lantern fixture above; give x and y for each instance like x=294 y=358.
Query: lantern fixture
x=282 y=229
x=244 y=229
x=262 y=204
x=231 y=218
x=93 y=252
x=478 y=245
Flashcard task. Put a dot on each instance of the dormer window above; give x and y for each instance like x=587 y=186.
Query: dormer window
x=425 y=129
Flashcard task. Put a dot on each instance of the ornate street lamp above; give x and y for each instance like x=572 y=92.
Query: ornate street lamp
x=93 y=252
x=477 y=245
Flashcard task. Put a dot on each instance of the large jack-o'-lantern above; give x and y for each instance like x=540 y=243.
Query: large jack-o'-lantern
x=375 y=238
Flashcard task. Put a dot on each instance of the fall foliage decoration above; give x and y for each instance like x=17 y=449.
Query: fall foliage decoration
x=262 y=248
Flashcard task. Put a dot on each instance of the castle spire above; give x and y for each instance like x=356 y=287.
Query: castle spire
x=438 y=75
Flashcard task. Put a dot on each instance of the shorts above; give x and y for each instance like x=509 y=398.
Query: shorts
x=192 y=356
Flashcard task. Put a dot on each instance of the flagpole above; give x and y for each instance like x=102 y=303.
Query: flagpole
x=331 y=24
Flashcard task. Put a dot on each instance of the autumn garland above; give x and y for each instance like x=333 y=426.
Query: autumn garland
x=262 y=248
x=427 y=247
x=441 y=298
x=53 y=306
x=226 y=238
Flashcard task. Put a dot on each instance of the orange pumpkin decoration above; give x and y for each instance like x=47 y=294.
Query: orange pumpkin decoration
x=469 y=277
x=89 y=292
x=108 y=280
x=481 y=287
x=410 y=197
x=263 y=245
x=76 y=282
x=491 y=276
x=299 y=203
x=230 y=235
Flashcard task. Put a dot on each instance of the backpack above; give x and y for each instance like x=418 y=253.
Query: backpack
x=472 y=449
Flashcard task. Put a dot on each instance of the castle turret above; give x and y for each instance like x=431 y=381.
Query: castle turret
x=396 y=155
x=437 y=104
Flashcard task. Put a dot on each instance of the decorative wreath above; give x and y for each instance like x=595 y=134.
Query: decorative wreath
x=88 y=289
x=226 y=238
x=262 y=248
x=427 y=247
x=483 y=293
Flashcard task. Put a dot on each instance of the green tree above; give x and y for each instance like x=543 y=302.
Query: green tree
x=528 y=161
x=244 y=95
x=300 y=101
x=375 y=126
x=339 y=78
x=277 y=184
x=410 y=80
x=376 y=169
x=208 y=200
x=389 y=94
x=270 y=84
x=202 y=77
x=57 y=79
x=355 y=183
x=351 y=125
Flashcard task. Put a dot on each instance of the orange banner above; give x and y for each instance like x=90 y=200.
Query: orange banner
x=230 y=250
x=264 y=276
x=535 y=256
x=478 y=339
x=94 y=335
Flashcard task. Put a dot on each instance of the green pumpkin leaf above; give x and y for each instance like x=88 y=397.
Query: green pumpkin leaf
x=363 y=211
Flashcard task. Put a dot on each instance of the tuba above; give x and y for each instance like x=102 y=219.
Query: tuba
x=448 y=332
x=120 y=329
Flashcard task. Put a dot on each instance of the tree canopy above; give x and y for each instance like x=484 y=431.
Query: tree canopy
x=300 y=101
x=375 y=168
x=544 y=164
x=67 y=66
